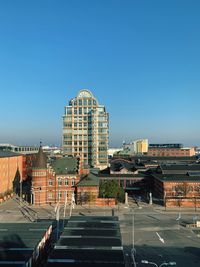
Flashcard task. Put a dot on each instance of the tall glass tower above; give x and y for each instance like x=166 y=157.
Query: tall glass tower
x=85 y=130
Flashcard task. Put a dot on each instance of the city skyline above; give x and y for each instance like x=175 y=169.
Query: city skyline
x=140 y=59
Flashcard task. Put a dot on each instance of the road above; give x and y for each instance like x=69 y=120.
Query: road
x=157 y=235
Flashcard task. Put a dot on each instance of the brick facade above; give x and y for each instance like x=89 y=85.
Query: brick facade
x=178 y=193
x=171 y=152
x=9 y=165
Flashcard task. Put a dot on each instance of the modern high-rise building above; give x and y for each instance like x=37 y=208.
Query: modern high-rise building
x=85 y=130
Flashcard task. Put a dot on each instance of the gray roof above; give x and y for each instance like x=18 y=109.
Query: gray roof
x=122 y=175
x=6 y=154
x=41 y=160
x=191 y=167
x=65 y=165
x=176 y=178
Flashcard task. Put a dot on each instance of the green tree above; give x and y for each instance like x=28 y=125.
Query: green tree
x=111 y=189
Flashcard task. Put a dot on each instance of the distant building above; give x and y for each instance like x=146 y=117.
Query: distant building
x=111 y=151
x=136 y=147
x=19 y=149
x=141 y=146
x=171 y=151
x=175 y=145
x=85 y=130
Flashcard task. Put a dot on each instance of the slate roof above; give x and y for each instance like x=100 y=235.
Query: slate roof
x=191 y=167
x=122 y=175
x=41 y=160
x=153 y=158
x=176 y=178
x=119 y=164
x=65 y=165
x=7 y=154
x=88 y=180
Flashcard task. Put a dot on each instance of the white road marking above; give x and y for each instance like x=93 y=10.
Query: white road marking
x=160 y=238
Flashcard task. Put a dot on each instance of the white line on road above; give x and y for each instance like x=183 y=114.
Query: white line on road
x=160 y=238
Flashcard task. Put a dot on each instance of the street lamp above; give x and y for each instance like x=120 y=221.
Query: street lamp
x=171 y=263
x=133 y=250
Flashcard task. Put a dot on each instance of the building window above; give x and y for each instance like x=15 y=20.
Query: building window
x=59 y=194
x=66 y=182
x=50 y=195
x=59 y=181
x=69 y=111
x=50 y=182
x=73 y=182
x=66 y=195
x=80 y=111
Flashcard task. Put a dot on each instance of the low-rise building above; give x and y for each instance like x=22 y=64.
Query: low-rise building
x=171 y=151
x=54 y=181
x=178 y=189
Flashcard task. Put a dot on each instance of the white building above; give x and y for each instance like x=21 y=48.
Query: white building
x=85 y=130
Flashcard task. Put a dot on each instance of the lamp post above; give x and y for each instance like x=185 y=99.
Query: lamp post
x=133 y=250
x=171 y=263
x=20 y=189
x=39 y=194
x=65 y=205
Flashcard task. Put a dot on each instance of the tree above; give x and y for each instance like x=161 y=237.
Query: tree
x=111 y=189
x=196 y=195
x=182 y=191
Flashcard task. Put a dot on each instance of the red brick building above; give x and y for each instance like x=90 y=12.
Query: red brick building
x=54 y=181
x=178 y=189
x=170 y=152
x=14 y=166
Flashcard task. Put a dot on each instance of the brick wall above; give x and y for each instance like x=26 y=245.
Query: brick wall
x=171 y=152
x=8 y=169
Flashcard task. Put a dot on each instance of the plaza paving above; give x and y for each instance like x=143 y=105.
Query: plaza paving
x=181 y=244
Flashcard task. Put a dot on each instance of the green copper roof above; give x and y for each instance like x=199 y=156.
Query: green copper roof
x=65 y=165
x=89 y=180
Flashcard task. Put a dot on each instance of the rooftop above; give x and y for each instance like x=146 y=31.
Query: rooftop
x=191 y=167
x=7 y=154
x=41 y=160
x=177 y=178
x=89 y=180
x=65 y=165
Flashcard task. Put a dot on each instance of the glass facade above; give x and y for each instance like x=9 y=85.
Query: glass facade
x=85 y=130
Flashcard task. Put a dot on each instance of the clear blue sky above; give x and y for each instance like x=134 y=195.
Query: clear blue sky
x=140 y=58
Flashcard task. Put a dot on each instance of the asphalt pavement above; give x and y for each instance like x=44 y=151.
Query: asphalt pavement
x=149 y=232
